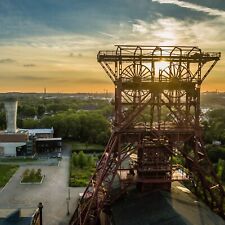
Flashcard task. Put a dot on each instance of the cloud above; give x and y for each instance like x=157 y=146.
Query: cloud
x=8 y=60
x=195 y=7
x=140 y=27
x=79 y=55
x=70 y=58
x=29 y=65
x=107 y=34
x=92 y=81
x=32 y=78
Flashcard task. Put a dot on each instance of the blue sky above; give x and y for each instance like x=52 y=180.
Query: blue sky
x=54 y=43
x=21 y=18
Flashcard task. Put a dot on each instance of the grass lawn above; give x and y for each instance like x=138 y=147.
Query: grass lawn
x=6 y=172
x=87 y=148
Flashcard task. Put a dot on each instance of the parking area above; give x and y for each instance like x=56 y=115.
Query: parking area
x=53 y=192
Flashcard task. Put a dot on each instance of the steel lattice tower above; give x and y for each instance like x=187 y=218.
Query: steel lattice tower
x=157 y=116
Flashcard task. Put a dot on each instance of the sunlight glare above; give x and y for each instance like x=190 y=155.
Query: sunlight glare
x=160 y=66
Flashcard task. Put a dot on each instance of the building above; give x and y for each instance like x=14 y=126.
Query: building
x=38 y=133
x=26 y=142
x=13 y=144
x=43 y=140
x=48 y=145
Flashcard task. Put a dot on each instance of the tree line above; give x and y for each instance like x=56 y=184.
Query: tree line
x=90 y=127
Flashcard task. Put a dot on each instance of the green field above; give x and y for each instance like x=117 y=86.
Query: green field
x=6 y=172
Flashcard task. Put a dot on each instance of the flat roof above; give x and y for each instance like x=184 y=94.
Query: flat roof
x=38 y=131
x=49 y=139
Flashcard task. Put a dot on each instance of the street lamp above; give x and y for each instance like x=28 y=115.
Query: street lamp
x=40 y=206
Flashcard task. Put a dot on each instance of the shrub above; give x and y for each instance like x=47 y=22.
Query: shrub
x=32 y=175
x=38 y=173
x=75 y=160
x=82 y=159
x=26 y=173
x=221 y=169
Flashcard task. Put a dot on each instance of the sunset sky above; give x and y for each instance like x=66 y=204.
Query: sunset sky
x=53 y=43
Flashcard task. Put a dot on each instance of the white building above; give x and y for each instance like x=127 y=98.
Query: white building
x=10 y=144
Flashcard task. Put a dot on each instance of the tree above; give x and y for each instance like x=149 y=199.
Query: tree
x=30 y=123
x=2 y=120
x=75 y=160
x=221 y=169
x=215 y=153
x=82 y=159
x=90 y=160
x=47 y=121
x=26 y=111
x=40 y=110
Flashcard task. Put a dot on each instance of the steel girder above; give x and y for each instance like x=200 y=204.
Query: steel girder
x=141 y=90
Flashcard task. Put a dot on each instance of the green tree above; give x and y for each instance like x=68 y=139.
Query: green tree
x=30 y=123
x=75 y=159
x=82 y=159
x=90 y=161
x=221 y=169
x=27 y=111
x=215 y=153
x=47 y=121
x=40 y=110
x=2 y=120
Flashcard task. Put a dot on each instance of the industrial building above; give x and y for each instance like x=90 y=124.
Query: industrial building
x=25 y=142
x=11 y=141
x=48 y=145
x=43 y=141
x=12 y=144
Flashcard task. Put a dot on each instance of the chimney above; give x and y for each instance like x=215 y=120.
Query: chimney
x=11 y=115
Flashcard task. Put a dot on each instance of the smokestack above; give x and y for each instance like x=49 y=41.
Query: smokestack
x=11 y=115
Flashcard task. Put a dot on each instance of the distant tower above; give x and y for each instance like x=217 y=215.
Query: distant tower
x=44 y=96
x=11 y=115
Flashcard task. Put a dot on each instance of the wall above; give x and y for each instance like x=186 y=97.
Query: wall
x=10 y=148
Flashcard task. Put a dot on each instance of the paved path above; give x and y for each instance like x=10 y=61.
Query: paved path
x=52 y=192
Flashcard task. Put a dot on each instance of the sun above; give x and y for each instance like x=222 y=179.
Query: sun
x=159 y=66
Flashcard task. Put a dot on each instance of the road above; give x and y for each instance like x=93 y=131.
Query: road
x=52 y=192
